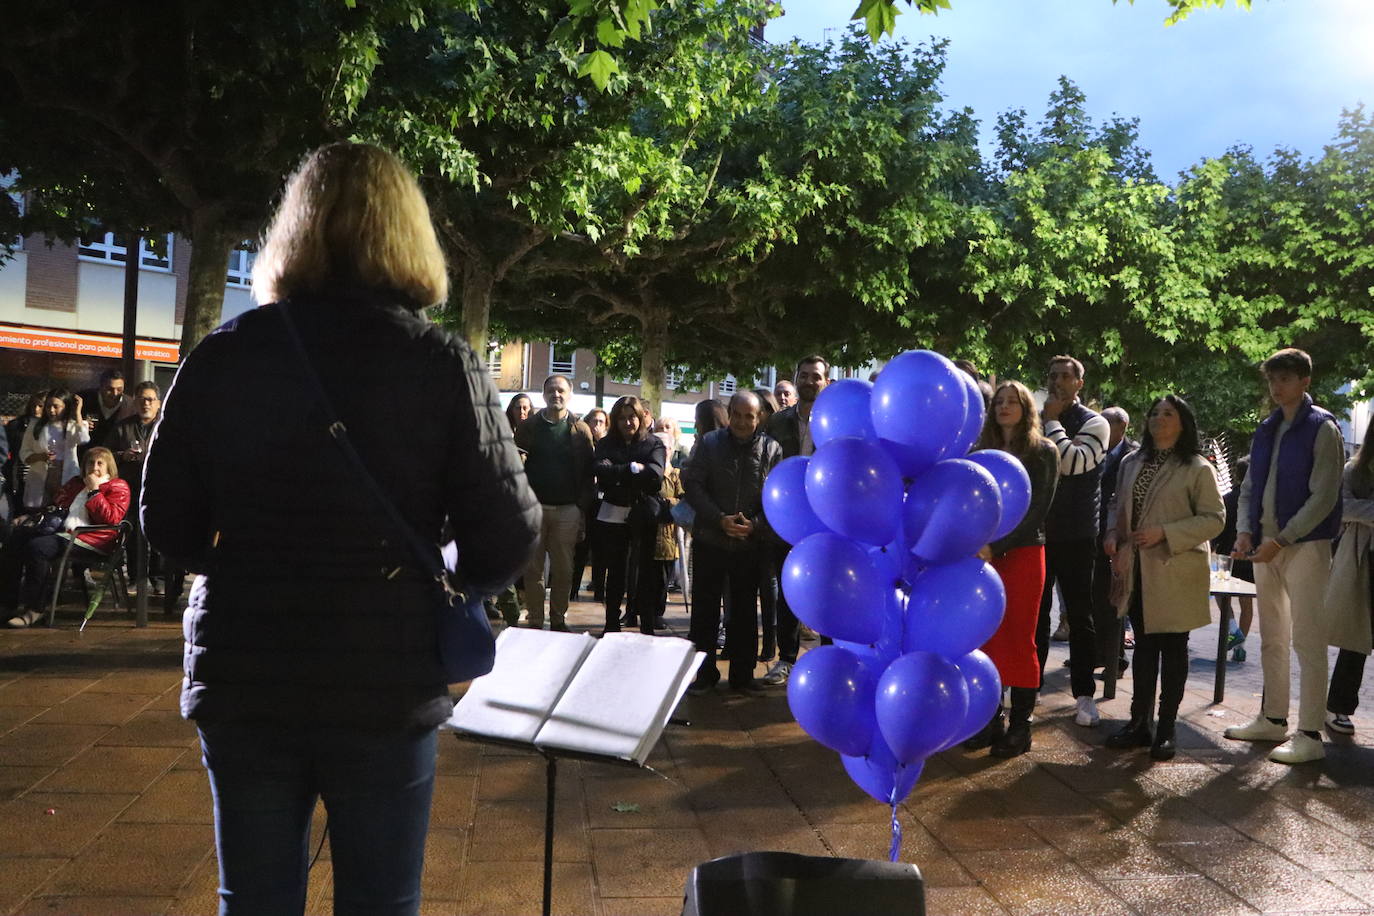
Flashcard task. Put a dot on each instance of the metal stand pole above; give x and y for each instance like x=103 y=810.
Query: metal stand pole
x=549 y=795
x=1224 y=627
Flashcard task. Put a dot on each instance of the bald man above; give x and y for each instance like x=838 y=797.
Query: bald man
x=724 y=486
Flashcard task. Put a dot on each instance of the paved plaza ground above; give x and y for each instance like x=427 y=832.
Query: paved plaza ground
x=104 y=807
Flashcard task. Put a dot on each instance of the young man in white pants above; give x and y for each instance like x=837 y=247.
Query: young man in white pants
x=1289 y=510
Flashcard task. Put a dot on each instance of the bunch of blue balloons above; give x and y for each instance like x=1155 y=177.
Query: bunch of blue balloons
x=886 y=520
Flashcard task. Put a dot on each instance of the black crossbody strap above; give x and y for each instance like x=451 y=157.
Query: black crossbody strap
x=427 y=555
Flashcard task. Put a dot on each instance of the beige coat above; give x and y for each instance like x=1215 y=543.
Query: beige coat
x=1347 y=591
x=1175 y=576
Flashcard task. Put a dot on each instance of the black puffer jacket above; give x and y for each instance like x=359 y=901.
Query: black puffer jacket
x=726 y=476
x=294 y=618
x=611 y=465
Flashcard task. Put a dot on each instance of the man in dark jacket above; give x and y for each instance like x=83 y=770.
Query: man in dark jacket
x=108 y=405
x=791 y=428
x=724 y=485
x=129 y=440
x=558 y=463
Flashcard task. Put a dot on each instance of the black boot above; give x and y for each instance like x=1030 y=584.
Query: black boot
x=1017 y=739
x=1164 y=747
x=990 y=733
x=1135 y=733
x=1015 y=742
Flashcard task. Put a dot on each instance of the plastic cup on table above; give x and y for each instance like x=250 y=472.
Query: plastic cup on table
x=1224 y=567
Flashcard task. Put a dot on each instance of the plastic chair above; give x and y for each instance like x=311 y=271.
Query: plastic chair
x=787 y=884
x=111 y=564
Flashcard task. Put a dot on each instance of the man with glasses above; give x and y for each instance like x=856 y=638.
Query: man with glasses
x=129 y=439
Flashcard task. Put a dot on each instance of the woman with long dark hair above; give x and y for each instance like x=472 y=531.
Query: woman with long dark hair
x=48 y=448
x=768 y=573
x=14 y=435
x=1013 y=425
x=313 y=668
x=598 y=422
x=1167 y=508
x=628 y=465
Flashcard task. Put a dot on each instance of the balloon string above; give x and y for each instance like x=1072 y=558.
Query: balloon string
x=895 y=853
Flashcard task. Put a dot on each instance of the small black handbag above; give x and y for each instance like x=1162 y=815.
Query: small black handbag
x=467 y=648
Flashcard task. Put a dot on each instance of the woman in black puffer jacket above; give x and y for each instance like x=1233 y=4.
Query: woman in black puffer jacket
x=628 y=464
x=311 y=660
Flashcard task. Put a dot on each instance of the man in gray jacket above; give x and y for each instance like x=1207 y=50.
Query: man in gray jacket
x=724 y=486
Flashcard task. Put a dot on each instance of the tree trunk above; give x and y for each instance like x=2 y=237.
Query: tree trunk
x=478 y=283
x=211 y=242
x=651 y=369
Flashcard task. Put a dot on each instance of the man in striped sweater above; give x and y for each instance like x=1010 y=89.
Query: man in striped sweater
x=1080 y=435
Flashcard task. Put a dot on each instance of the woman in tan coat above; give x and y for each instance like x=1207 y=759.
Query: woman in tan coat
x=1349 y=595
x=1167 y=508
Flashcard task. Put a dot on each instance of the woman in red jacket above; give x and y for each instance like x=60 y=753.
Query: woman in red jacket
x=97 y=497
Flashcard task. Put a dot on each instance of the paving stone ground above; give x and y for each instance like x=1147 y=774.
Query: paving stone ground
x=104 y=807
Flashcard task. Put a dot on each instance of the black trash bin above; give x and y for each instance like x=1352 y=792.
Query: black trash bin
x=787 y=884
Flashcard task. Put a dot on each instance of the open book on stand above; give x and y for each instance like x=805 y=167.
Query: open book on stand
x=608 y=697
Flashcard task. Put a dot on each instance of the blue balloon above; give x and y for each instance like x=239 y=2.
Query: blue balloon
x=984 y=693
x=842 y=409
x=833 y=586
x=951 y=511
x=918 y=408
x=830 y=692
x=1013 y=482
x=889 y=643
x=889 y=562
x=856 y=489
x=881 y=775
x=954 y=608
x=785 y=504
x=973 y=419
x=921 y=704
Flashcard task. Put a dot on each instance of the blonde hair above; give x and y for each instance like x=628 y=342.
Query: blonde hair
x=95 y=452
x=1026 y=438
x=352 y=215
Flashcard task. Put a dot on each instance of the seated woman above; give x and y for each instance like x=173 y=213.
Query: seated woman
x=1167 y=508
x=97 y=497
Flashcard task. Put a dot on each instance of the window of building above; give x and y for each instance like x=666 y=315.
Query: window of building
x=673 y=378
x=494 y=351
x=241 y=260
x=106 y=251
x=562 y=360
x=727 y=385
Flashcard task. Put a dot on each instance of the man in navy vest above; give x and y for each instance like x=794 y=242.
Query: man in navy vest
x=1289 y=509
x=1071 y=545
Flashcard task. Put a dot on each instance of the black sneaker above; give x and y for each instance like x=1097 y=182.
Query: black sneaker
x=560 y=627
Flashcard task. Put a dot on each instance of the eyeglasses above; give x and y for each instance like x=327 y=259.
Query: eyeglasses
x=149 y=400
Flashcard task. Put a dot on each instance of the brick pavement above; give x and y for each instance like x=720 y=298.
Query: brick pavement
x=104 y=807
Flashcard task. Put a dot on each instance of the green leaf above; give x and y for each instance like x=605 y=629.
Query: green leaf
x=625 y=808
x=599 y=65
x=609 y=34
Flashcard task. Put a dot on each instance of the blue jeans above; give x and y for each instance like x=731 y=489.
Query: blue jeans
x=376 y=788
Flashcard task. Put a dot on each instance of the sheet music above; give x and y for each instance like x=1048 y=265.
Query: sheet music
x=621 y=697
x=533 y=667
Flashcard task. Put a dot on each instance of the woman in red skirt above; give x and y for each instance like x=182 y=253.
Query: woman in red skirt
x=1013 y=425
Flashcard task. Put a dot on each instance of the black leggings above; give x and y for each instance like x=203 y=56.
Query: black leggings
x=1158 y=657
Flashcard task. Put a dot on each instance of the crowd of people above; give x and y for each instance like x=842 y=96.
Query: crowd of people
x=310 y=659
x=1124 y=533
x=73 y=461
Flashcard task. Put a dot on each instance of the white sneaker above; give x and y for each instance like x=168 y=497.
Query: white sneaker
x=26 y=619
x=1339 y=724
x=1261 y=729
x=1087 y=713
x=778 y=674
x=1298 y=749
